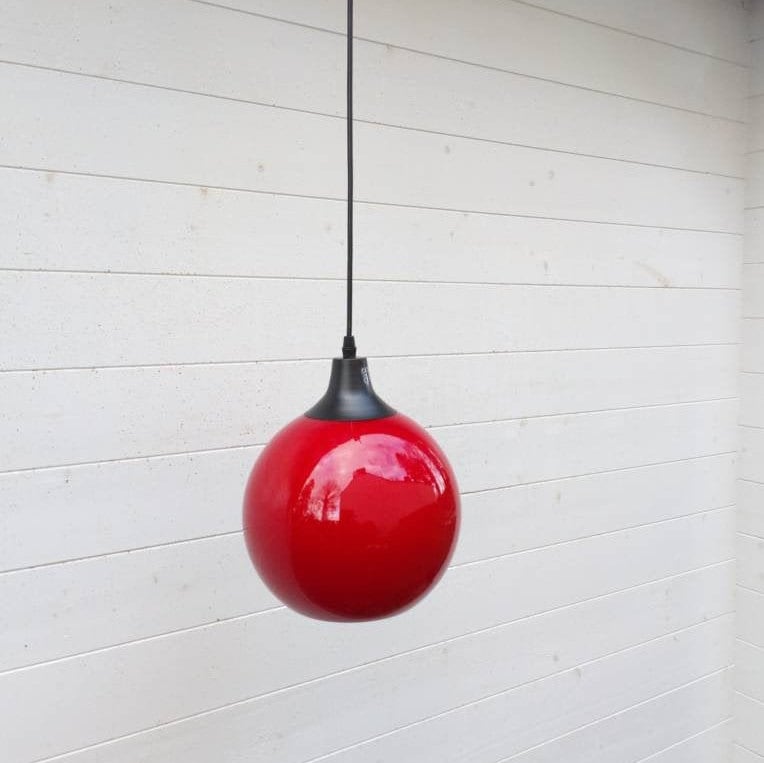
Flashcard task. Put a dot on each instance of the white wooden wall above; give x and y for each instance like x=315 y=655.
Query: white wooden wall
x=549 y=238
x=749 y=656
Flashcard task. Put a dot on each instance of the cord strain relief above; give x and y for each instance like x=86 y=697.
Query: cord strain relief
x=348 y=347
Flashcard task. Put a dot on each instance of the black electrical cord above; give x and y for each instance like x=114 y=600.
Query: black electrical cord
x=348 y=345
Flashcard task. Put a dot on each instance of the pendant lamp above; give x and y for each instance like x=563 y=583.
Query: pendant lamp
x=351 y=512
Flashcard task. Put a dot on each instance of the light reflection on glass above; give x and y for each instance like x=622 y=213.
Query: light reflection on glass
x=380 y=455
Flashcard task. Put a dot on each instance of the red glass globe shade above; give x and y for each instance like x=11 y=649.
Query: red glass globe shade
x=351 y=512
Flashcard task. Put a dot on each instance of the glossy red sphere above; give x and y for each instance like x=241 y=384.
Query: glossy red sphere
x=351 y=520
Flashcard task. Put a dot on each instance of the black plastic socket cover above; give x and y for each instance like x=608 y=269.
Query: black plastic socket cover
x=350 y=396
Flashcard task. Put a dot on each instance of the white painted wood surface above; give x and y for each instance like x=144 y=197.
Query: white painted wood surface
x=750 y=616
x=749 y=725
x=744 y=755
x=170 y=228
x=78 y=117
x=153 y=579
x=704 y=26
x=752 y=454
x=749 y=666
x=549 y=240
x=230 y=680
x=159 y=320
x=639 y=68
x=397 y=86
x=708 y=746
x=637 y=733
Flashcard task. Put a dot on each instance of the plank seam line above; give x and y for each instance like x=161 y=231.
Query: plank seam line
x=606 y=471
x=217 y=536
x=123 y=552
x=576 y=18
x=611 y=716
x=272 y=610
x=748 y=749
x=398 y=205
x=637 y=35
x=474 y=63
x=463 y=492
x=750 y=643
x=583 y=540
x=749 y=697
x=521 y=485
x=368 y=280
x=748 y=588
x=285 y=689
x=592 y=412
x=498 y=694
x=725 y=721
x=317 y=358
x=370 y=122
x=750 y=536
x=456 y=425
x=489 y=490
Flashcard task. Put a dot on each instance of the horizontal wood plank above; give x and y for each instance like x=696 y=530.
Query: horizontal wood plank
x=57 y=222
x=502 y=521
x=753 y=291
x=749 y=724
x=756 y=85
x=509 y=453
x=752 y=454
x=496 y=729
x=713 y=27
x=181 y=47
x=743 y=755
x=642 y=731
x=100 y=508
x=171 y=409
x=749 y=670
x=752 y=349
x=753 y=250
x=752 y=400
x=83 y=123
x=115 y=599
x=312 y=726
x=750 y=503
x=750 y=562
x=61 y=513
x=230 y=673
x=754 y=188
x=749 y=612
x=639 y=68
x=709 y=746
x=156 y=320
